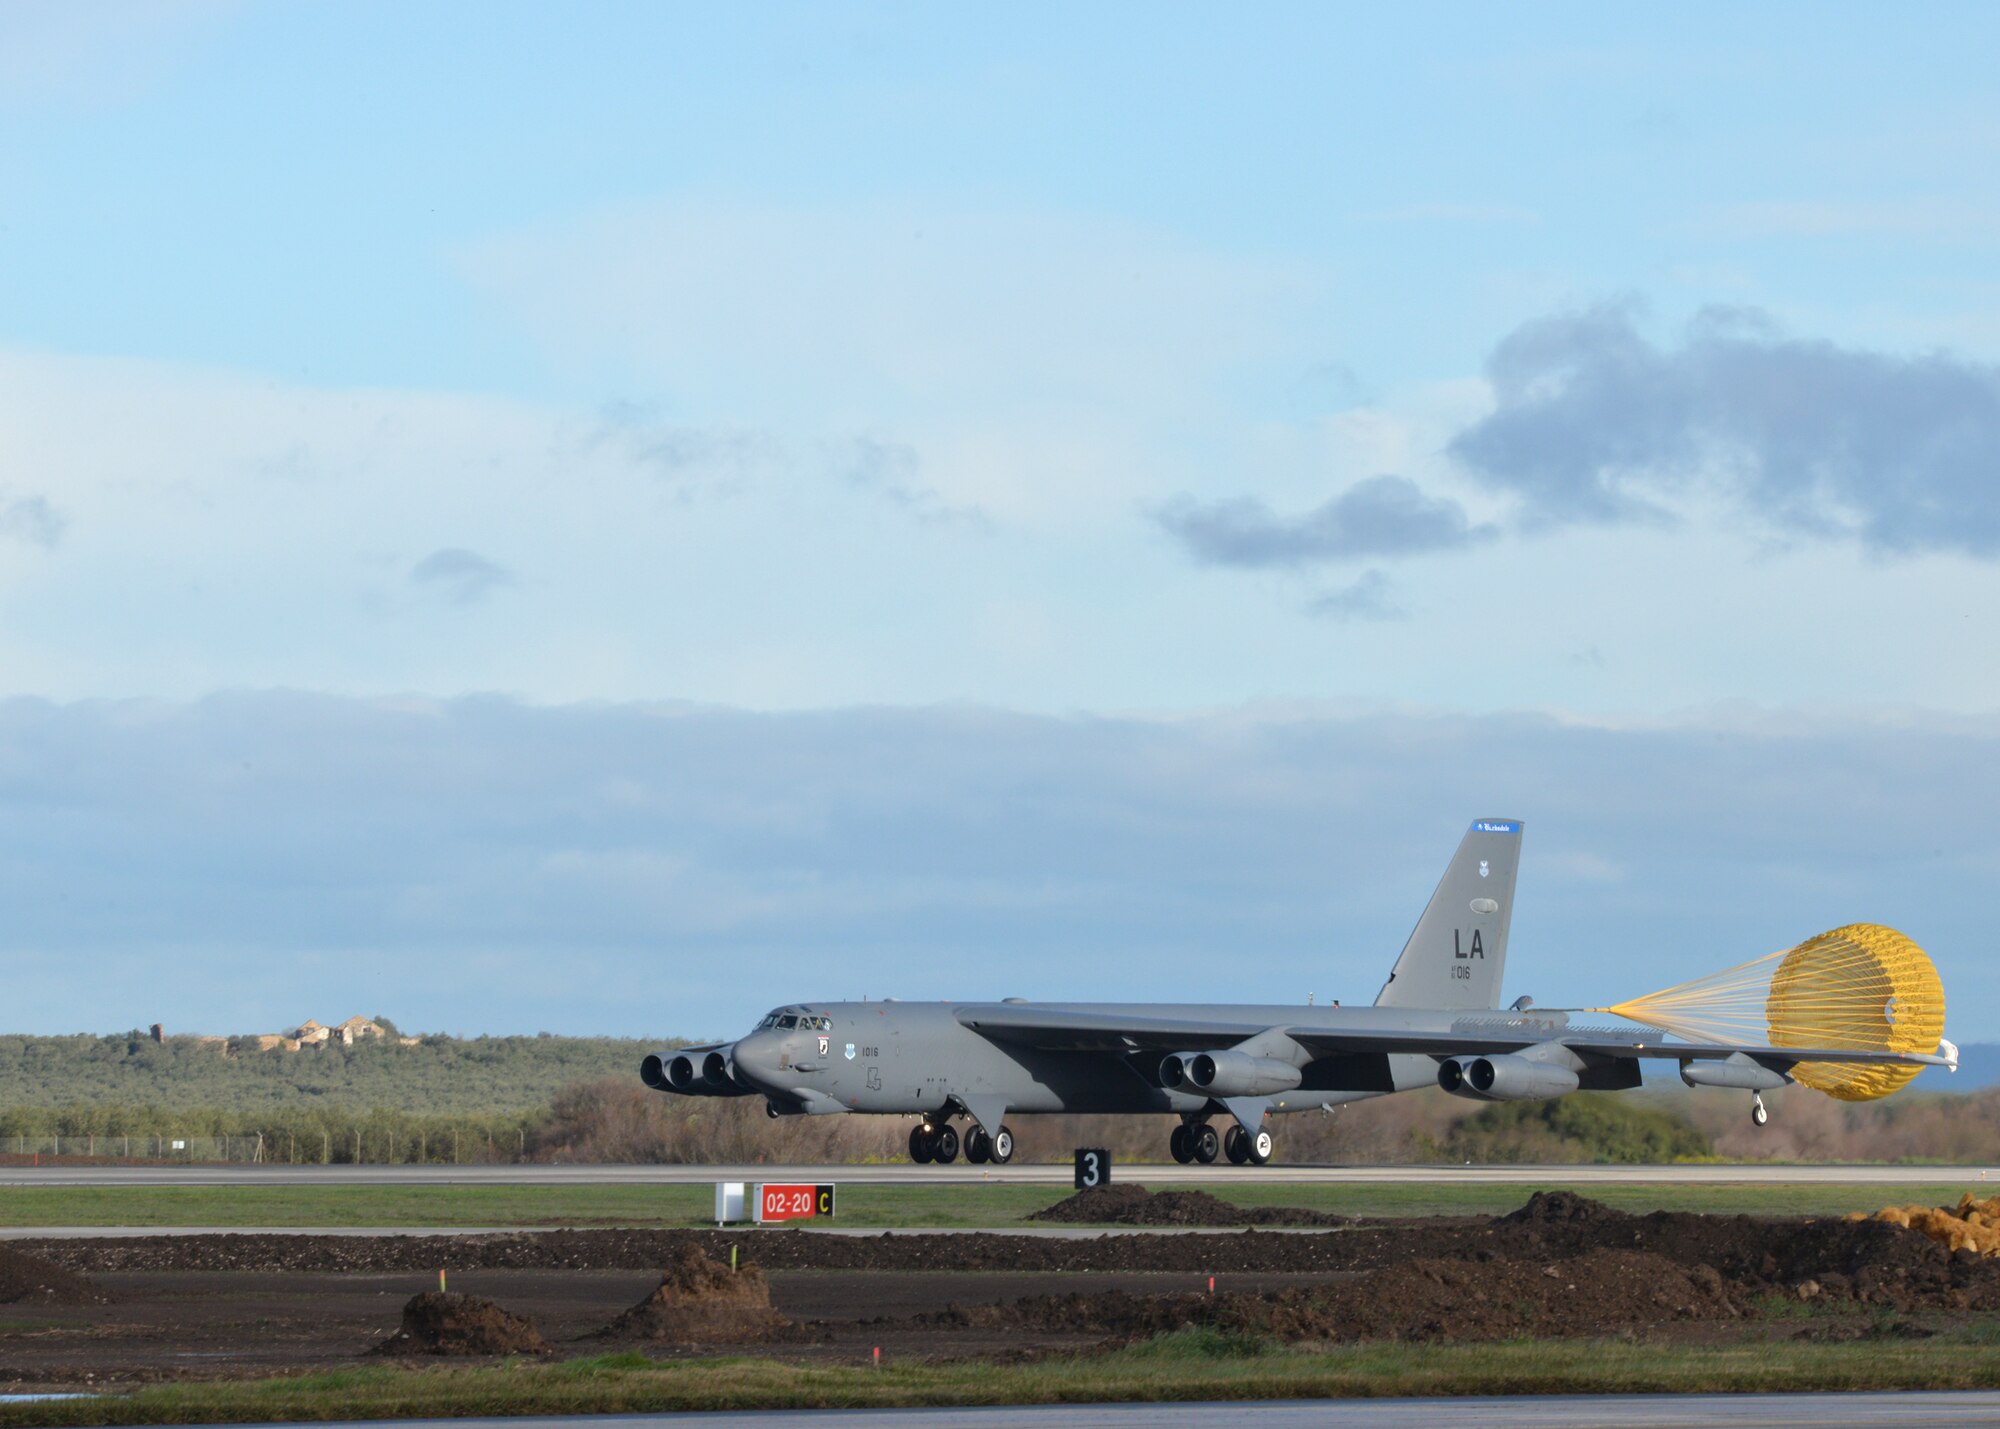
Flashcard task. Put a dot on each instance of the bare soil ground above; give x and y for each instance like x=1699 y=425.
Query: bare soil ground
x=107 y=1312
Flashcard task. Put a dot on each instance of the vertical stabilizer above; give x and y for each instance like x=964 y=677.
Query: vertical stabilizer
x=1459 y=949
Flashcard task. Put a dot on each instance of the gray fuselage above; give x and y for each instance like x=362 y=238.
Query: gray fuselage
x=919 y=1057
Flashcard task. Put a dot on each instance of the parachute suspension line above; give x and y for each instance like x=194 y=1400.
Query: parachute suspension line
x=1862 y=988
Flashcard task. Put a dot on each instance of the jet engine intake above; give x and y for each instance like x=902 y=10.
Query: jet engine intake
x=1238 y=1074
x=717 y=1071
x=694 y=1074
x=670 y=1072
x=1504 y=1077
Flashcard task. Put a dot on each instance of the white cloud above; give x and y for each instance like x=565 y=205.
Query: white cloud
x=102 y=52
x=435 y=859
x=225 y=530
x=888 y=303
x=1059 y=345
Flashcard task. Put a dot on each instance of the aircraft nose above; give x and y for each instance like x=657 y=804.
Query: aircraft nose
x=757 y=1059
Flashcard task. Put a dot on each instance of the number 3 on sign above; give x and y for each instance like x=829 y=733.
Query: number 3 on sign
x=1093 y=1167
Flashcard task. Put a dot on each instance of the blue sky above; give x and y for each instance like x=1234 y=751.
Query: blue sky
x=1541 y=397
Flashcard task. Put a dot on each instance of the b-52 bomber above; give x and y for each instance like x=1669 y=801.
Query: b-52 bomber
x=1436 y=1022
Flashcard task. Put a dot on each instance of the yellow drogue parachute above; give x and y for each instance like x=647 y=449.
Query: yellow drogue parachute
x=1861 y=988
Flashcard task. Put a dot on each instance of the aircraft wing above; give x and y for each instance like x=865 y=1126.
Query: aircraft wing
x=1059 y=1029
x=1587 y=1042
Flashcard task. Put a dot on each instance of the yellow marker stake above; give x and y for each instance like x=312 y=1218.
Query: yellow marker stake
x=440 y=1280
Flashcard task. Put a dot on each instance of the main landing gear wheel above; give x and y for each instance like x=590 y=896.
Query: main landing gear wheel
x=1260 y=1147
x=1205 y=1144
x=1758 y=1116
x=1002 y=1149
x=944 y=1146
x=1178 y=1144
x=978 y=1145
x=920 y=1144
x=1236 y=1146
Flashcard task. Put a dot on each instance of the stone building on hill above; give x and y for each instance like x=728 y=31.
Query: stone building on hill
x=312 y=1035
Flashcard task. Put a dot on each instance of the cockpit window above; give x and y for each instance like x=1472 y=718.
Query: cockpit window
x=788 y=1020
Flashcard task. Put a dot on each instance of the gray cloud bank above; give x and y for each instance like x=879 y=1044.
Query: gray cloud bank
x=1368 y=598
x=482 y=865
x=31 y=519
x=462 y=577
x=1382 y=516
x=1594 y=423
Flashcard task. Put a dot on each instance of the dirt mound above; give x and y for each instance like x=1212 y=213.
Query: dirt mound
x=701 y=1301
x=1133 y=1205
x=1558 y=1208
x=1598 y=1293
x=437 y=1323
x=28 y=1279
x=1875 y=1262
x=1870 y=1261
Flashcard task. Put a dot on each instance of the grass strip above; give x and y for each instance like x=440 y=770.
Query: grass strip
x=1186 y=1366
x=971 y=1205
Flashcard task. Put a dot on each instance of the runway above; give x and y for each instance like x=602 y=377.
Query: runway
x=1929 y=1410
x=1156 y=1175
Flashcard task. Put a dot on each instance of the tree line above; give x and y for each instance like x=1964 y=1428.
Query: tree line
x=438 y=1077
x=451 y=1100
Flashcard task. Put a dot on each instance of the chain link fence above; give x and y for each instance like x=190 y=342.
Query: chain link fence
x=136 y=1148
x=449 y=1146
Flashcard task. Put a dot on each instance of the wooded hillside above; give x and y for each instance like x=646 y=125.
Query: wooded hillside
x=439 y=1076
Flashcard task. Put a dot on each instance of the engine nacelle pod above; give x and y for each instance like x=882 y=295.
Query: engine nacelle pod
x=679 y=1073
x=1238 y=1074
x=1504 y=1077
x=1738 y=1072
x=718 y=1070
